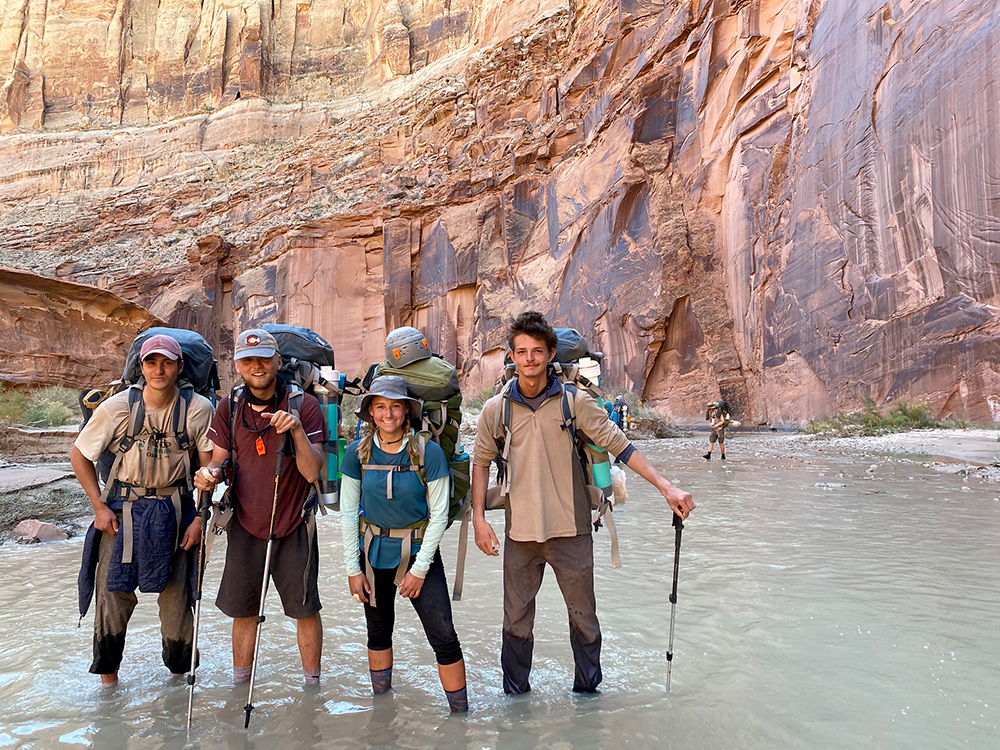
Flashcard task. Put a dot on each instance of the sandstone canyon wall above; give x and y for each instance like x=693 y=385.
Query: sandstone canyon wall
x=793 y=204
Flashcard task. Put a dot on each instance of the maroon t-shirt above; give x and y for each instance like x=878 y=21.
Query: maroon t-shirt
x=255 y=473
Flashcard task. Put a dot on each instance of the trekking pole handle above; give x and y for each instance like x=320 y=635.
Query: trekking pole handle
x=204 y=503
x=283 y=451
x=678 y=522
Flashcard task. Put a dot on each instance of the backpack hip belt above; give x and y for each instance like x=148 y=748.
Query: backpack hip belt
x=409 y=536
x=131 y=494
x=136 y=420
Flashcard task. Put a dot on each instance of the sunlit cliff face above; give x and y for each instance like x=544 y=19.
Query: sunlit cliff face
x=782 y=204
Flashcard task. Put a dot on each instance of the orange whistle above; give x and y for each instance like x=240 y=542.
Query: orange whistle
x=260 y=447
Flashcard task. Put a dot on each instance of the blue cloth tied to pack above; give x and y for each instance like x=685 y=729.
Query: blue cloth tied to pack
x=154 y=539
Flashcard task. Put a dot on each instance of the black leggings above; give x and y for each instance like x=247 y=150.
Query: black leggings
x=433 y=608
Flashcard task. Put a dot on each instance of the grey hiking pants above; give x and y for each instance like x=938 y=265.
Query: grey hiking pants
x=114 y=609
x=572 y=559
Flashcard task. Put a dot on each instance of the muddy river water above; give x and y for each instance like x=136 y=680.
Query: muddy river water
x=825 y=601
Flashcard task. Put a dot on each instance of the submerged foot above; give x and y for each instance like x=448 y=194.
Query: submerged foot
x=242 y=674
x=109 y=681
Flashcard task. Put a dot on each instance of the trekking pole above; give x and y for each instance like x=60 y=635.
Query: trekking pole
x=204 y=508
x=678 y=524
x=263 y=586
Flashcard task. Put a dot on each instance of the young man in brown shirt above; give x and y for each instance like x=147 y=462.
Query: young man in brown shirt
x=548 y=504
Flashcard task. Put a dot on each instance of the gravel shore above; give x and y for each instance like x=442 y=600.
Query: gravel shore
x=49 y=493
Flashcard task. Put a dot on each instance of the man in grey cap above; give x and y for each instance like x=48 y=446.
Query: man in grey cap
x=250 y=427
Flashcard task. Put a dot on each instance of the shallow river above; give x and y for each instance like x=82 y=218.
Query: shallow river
x=808 y=617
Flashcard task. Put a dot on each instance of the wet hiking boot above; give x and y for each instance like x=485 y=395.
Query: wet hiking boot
x=723 y=456
x=707 y=456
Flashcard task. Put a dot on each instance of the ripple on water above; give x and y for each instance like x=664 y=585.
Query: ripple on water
x=806 y=617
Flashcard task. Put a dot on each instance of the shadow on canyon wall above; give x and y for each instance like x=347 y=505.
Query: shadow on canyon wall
x=791 y=205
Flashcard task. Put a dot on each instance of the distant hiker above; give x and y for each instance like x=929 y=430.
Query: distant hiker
x=620 y=414
x=548 y=505
x=145 y=522
x=718 y=420
x=394 y=503
x=250 y=427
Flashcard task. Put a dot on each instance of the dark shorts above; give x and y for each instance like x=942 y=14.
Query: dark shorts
x=717 y=436
x=294 y=572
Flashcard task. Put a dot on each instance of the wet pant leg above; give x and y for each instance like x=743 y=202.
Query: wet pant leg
x=381 y=619
x=433 y=607
x=176 y=615
x=523 y=568
x=572 y=559
x=112 y=612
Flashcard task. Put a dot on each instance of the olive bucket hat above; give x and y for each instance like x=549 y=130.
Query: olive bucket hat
x=393 y=388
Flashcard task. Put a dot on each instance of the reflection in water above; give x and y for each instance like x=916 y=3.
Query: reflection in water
x=810 y=615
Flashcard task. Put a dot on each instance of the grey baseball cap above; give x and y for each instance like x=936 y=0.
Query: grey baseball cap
x=255 y=343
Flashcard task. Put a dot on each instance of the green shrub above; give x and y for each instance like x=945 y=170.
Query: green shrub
x=42 y=412
x=476 y=401
x=870 y=421
x=68 y=397
x=52 y=406
x=12 y=406
x=350 y=421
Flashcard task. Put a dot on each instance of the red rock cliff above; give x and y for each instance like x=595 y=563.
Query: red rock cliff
x=792 y=204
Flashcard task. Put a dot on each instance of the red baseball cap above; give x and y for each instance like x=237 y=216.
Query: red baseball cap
x=161 y=344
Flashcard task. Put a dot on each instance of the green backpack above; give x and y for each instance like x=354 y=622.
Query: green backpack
x=435 y=382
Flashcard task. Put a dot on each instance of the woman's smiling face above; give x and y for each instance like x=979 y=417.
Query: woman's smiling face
x=388 y=415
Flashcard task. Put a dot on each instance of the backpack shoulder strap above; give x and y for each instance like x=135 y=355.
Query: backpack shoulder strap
x=391 y=469
x=568 y=394
x=235 y=396
x=136 y=418
x=182 y=406
x=295 y=396
x=503 y=415
x=422 y=438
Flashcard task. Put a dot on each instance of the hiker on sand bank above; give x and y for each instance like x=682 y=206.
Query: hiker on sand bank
x=145 y=523
x=250 y=427
x=394 y=504
x=548 y=506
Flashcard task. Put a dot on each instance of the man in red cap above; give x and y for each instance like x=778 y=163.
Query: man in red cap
x=147 y=498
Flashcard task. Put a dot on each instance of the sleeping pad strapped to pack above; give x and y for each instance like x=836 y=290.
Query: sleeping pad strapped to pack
x=303 y=353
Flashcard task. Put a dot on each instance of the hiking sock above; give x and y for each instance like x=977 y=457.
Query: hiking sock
x=312 y=676
x=707 y=456
x=241 y=674
x=381 y=680
x=458 y=700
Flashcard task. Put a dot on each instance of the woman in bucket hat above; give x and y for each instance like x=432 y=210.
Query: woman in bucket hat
x=394 y=503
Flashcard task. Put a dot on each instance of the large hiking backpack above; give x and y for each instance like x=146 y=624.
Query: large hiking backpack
x=200 y=375
x=725 y=411
x=574 y=363
x=303 y=353
x=576 y=367
x=200 y=367
x=434 y=381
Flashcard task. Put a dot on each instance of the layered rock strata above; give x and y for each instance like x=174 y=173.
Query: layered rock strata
x=788 y=204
